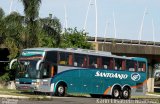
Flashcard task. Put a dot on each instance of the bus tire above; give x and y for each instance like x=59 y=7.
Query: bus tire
x=116 y=92
x=61 y=90
x=126 y=93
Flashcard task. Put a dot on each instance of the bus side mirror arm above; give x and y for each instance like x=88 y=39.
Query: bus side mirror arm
x=11 y=63
x=38 y=64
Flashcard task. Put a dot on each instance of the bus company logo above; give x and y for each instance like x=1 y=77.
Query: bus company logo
x=135 y=77
x=111 y=75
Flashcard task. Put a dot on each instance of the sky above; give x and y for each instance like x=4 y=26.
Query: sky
x=125 y=24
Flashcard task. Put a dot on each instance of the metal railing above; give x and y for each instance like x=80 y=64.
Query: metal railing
x=4 y=61
x=124 y=41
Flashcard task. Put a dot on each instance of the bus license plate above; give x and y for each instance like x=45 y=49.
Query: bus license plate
x=24 y=87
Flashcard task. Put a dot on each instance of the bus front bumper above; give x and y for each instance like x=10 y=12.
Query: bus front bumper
x=26 y=87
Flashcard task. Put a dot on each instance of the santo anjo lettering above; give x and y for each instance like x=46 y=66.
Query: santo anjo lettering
x=111 y=75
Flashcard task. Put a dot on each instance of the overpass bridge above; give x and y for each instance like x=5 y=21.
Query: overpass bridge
x=132 y=48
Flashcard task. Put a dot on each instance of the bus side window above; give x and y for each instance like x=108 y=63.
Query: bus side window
x=84 y=62
x=106 y=62
x=135 y=65
x=46 y=71
x=53 y=70
x=111 y=63
x=124 y=65
x=65 y=58
x=131 y=65
x=144 y=67
x=51 y=56
x=80 y=60
x=75 y=64
x=62 y=58
x=119 y=64
x=141 y=67
x=70 y=59
x=92 y=61
x=99 y=62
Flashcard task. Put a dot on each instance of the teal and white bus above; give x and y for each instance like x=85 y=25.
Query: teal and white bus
x=60 y=71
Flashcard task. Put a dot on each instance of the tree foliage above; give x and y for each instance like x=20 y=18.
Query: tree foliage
x=75 y=39
x=31 y=11
x=18 y=32
x=2 y=25
x=52 y=28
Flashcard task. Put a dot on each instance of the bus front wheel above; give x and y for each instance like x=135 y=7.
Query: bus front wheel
x=116 y=92
x=126 y=93
x=61 y=90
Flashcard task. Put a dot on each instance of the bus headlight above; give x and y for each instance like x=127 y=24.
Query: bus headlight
x=36 y=83
x=17 y=82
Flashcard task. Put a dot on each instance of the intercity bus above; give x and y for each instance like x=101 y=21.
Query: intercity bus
x=61 y=71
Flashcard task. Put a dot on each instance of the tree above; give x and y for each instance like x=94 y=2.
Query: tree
x=52 y=29
x=18 y=32
x=13 y=36
x=72 y=38
x=2 y=25
x=1 y=13
x=10 y=28
x=31 y=10
x=9 y=33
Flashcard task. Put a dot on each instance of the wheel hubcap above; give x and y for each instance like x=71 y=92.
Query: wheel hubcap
x=125 y=93
x=116 y=93
x=60 y=89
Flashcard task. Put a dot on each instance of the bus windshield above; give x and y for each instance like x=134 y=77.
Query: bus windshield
x=27 y=62
x=27 y=69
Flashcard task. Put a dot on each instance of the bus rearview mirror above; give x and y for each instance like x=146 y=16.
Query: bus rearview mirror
x=38 y=64
x=11 y=63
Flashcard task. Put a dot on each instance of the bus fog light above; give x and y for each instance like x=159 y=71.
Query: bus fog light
x=36 y=83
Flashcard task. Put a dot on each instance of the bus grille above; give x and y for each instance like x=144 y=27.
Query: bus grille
x=25 y=82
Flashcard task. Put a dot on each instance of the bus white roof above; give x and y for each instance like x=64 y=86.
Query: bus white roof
x=78 y=50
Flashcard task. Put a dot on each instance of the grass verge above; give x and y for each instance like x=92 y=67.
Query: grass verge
x=27 y=95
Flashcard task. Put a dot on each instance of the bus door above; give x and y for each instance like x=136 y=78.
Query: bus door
x=47 y=72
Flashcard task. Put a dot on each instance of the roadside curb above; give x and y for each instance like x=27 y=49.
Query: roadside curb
x=25 y=97
x=153 y=95
x=14 y=97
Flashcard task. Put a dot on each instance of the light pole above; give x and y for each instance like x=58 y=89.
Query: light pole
x=65 y=14
x=153 y=31
x=85 y=22
x=114 y=21
x=10 y=8
x=105 y=34
x=96 y=13
x=141 y=28
x=106 y=28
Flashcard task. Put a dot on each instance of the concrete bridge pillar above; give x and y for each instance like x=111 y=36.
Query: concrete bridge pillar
x=150 y=81
x=95 y=44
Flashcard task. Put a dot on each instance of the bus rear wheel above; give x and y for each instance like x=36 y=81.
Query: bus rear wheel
x=61 y=90
x=126 y=93
x=116 y=92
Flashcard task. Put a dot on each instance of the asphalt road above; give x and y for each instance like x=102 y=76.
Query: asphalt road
x=75 y=100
